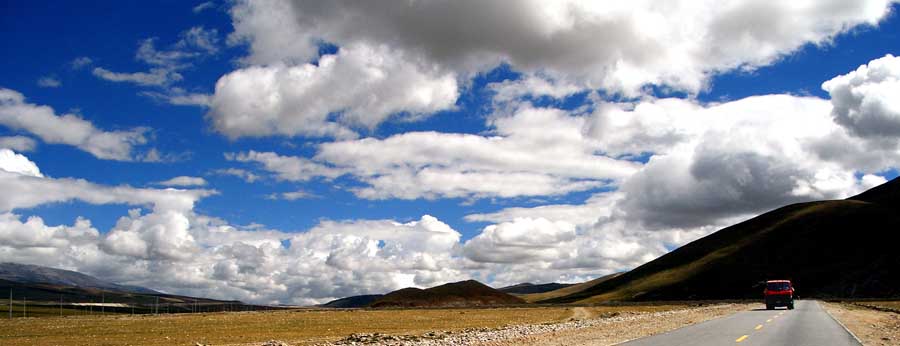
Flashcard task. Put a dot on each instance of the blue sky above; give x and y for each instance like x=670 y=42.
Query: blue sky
x=45 y=39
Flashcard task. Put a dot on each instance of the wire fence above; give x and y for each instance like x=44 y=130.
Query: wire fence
x=47 y=303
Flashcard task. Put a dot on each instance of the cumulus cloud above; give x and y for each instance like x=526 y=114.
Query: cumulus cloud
x=17 y=163
x=184 y=181
x=360 y=86
x=70 y=129
x=18 y=143
x=522 y=240
x=174 y=249
x=865 y=100
x=617 y=47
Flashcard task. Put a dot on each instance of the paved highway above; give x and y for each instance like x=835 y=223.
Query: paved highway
x=807 y=325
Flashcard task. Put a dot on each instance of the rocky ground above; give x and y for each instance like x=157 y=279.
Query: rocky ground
x=873 y=327
x=581 y=329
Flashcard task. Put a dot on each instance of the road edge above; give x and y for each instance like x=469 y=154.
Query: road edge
x=840 y=323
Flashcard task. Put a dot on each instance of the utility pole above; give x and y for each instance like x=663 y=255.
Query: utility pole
x=10 y=303
x=60 y=305
x=24 y=306
x=157 y=306
x=102 y=303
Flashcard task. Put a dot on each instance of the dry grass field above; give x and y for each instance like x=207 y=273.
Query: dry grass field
x=887 y=305
x=301 y=327
x=875 y=323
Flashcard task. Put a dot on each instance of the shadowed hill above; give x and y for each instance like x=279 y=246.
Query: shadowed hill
x=845 y=248
x=530 y=288
x=353 y=302
x=457 y=294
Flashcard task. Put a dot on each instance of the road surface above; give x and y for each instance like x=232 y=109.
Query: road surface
x=807 y=325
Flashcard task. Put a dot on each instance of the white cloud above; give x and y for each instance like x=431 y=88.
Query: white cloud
x=292 y=195
x=522 y=240
x=155 y=77
x=237 y=172
x=17 y=163
x=18 y=143
x=203 y=6
x=360 y=86
x=534 y=152
x=49 y=82
x=176 y=250
x=288 y=168
x=865 y=100
x=179 y=97
x=532 y=85
x=81 y=62
x=195 y=43
x=617 y=47
x=511 y=163
x=200 y=38
x=68 y=129
x=184 y=181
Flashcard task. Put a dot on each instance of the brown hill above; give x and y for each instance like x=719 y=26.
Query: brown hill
x=458 y=294
x=845 y=248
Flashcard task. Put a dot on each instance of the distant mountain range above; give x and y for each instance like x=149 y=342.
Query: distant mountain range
x=33 y=274
x=458 y=294
x=530 y=288
x=43 y=286
x=843 y=248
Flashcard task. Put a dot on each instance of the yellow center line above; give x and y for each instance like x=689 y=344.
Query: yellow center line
x=758 y=327
x=742 y=338
x=769 y=320
x=776 y=316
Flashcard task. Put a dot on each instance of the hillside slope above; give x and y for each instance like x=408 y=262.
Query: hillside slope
x=845 y=248
x=457 y=294
x=565 y=291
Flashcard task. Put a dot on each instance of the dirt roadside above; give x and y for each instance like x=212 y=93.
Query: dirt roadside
x=611 y=331
x=582 y=328
x=872 y=327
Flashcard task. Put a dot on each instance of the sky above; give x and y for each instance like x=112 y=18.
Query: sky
x=293 y=152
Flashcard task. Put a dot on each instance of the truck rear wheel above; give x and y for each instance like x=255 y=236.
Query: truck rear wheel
x=791 y=306
x=769 y=307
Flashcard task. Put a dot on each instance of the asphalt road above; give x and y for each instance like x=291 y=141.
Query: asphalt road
x=807 y=325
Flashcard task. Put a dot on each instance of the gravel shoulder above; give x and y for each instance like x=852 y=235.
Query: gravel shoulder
x=871 y=326
x=582 y=328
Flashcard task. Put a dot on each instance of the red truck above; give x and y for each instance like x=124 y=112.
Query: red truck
x=779 y=293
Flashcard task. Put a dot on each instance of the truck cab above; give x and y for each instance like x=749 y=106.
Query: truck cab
x=779 y=293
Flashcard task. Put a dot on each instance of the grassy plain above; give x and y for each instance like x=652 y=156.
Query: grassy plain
x=300 y=327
